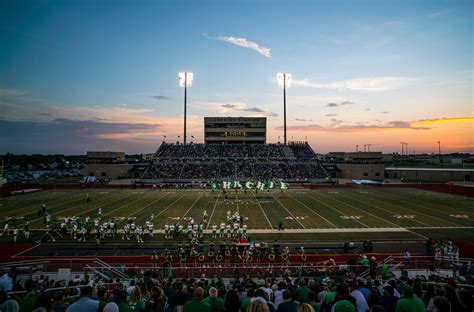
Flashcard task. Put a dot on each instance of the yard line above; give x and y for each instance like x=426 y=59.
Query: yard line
x=213 y=209
x=332 y=224
x=191 y=207
x=144 y=207
x=236 y=201
x=415 y=211
x=396 y=225
x=399 y=199
x=34 y=207
x=355 y=220
x=294 y=218
x=170 y=205
x=74 y=207
x=262 y=209
x=126 y=204
x=389 y=211
x=422 y=236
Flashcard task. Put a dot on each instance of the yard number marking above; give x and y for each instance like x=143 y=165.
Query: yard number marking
x=123 y=218
x=350 y=217
x=404 y=216
x=460 y=216
x=296 y=217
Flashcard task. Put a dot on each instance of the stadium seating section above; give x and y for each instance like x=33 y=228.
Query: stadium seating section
x=294 y=162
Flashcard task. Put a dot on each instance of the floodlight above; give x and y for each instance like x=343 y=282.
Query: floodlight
x=284 y=79
x=185 y=78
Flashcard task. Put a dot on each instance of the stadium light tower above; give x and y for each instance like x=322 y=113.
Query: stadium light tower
x=284 y=81
x=185 y=80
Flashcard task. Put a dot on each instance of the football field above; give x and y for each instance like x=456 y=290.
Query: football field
x=336 y=213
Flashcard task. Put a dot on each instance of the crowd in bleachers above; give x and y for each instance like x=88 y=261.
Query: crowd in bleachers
x=157 y=291
x=239 y=161
x=208 y=151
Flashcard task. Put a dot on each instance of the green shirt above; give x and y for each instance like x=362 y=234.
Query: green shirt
x=329 y=297
x=27 y=304
x=217 y=304
x=317 y=306
x=344 y=306
x=197 y=306
x=302 y=293
x=245 y=304
x=410 y=304
x=123 y=307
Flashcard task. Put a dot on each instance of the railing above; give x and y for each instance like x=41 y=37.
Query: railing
x=424 y=265
x=110 y=268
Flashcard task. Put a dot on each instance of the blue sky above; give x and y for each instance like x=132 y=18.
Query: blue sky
x=104 y=73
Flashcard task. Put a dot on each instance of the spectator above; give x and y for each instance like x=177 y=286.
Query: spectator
x=157 y=301
x=302 y=292
x=344 y=301
x=388 y=300
x=442 y=304
x=111 y=307
x=58 y=303
x=136 y=300
x=121 y=301
x=258 y=305
x=246 y=302
x=409 y=301
x=43 y=303
x=231 y=303
x=305 y=307
x=7 y=280
x=216 y=302
x=85 y=303
x=197 y=304
x=288 y=305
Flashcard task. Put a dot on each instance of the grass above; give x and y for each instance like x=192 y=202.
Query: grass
x=424 y=214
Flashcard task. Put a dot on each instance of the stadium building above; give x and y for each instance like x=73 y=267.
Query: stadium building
x=235 y=130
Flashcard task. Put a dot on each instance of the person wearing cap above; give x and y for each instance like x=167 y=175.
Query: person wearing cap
x=409 y=302
x=388 y=300
x=197 y=304
x=329 y=295
x=343 y=301
x=288 y=305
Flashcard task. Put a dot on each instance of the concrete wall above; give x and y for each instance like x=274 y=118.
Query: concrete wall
x=110 y=171
x=361 y=171
x=430 y=175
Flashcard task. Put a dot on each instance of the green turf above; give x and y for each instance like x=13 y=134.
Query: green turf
x=422 y=212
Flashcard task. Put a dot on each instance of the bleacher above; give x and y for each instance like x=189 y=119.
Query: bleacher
x=295 y=162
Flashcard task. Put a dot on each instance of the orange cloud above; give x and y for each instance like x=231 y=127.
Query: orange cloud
x=391 y=125
x=443 y=120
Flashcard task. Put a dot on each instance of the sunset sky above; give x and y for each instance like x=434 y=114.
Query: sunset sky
x=103 y=75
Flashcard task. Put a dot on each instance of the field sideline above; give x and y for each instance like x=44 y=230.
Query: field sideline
x=302 y=211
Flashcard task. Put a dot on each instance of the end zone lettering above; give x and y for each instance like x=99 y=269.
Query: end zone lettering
x=249 y=185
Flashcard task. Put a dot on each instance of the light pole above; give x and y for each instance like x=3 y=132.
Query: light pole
x=284 y=80
x=439 y=154
x=185 y=80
